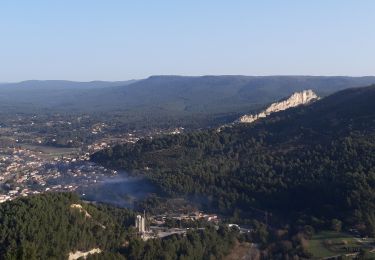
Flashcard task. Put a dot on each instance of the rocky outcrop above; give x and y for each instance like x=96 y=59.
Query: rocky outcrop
x=84 y=255
x=297 y=99
x=81 y=209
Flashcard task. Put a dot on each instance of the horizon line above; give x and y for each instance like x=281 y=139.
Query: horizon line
x=188 y=76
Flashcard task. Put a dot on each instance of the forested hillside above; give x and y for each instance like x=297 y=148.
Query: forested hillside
x=46 y=227
x=52 y=225
x=316 y=160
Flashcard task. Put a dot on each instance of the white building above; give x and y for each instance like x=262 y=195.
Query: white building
x=140 y=224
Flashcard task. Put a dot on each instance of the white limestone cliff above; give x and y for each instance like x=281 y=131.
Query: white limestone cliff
x=84 y=255
x=297 y=99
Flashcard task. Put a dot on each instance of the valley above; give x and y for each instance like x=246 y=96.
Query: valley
x=187 y=130
x=260 y=178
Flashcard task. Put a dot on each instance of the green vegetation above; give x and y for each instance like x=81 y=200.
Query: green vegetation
x=201 y=244
x=331 y=243
x=302 y=170
x=45 y=227
x=51 y=225
x=312 y=164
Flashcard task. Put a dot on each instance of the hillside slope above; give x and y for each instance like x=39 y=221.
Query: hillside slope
x=52 y=225
x=60 y=226
x=317 y=160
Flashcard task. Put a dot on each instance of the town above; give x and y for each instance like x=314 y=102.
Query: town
x=25 y=172
x=51 y=153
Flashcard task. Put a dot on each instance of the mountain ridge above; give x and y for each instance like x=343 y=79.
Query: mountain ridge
x=204 y=101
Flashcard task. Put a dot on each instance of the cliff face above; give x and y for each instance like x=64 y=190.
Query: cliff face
x=297 y=99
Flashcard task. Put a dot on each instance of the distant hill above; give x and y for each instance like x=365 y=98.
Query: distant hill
x=196 y=94
x=39 y=85
x=167 y=97
x=60 y=95
x=316 y=161
x=221 y=94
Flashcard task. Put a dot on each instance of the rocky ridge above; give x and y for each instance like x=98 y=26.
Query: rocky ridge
x=296 y=99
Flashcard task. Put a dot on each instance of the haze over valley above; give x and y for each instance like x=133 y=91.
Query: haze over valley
x=193 y=130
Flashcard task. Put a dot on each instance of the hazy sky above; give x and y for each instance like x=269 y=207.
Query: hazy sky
x=117 y=40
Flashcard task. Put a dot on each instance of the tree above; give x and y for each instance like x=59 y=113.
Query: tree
x=336 y=225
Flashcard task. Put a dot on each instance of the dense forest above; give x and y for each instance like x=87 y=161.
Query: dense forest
x=201 y=244
x=45 y=227
x=315 y=162
x=49 y=226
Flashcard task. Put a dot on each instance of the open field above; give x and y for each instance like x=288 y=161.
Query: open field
x=51 y=151
x=329 y=243
x=243 y=250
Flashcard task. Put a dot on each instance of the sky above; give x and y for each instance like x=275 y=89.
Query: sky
x=86 y=40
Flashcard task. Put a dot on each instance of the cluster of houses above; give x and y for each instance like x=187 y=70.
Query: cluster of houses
x=194 y=216
x=156 y=227
x=24 y=172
